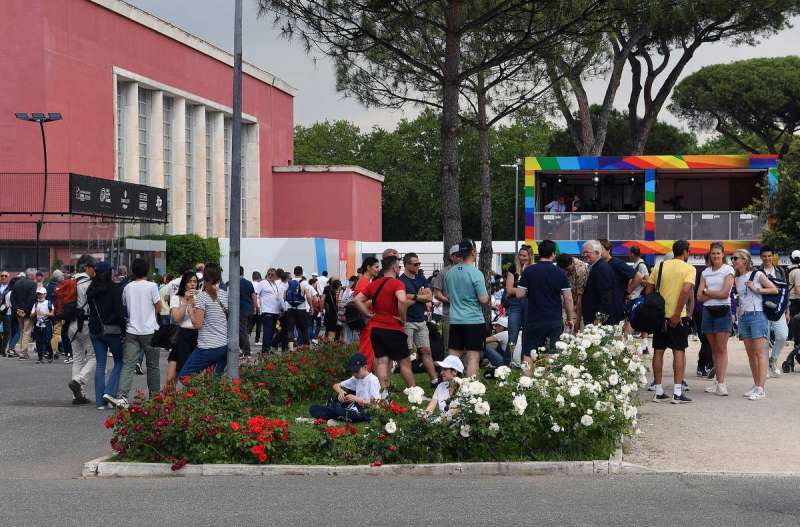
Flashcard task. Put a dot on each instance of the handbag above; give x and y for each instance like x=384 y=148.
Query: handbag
x=718 y=311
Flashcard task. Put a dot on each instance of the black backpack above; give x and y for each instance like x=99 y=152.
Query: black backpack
x=774 y=306
x=648 y=313
x=354 y=319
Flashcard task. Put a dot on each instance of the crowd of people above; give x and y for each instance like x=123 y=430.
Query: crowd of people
x=401 y=319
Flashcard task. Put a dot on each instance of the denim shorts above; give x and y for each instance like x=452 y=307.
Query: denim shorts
x=753 y=325
x=710 y=324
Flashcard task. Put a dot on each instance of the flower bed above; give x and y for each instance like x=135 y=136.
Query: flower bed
x=575 y=406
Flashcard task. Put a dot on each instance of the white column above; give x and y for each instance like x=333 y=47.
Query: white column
x=219 y=174
x=199 y=174
x=177 y=196
x=155 y=150
x=130 y=131
x=253 y=182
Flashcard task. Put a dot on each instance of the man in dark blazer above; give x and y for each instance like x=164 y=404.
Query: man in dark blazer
x=599 y=294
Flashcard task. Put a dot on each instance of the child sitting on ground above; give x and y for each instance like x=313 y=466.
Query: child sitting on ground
x=353 y=395
x=496 y=346
x=43 y=328
x=452 y=367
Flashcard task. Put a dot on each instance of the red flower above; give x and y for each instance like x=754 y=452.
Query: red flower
x=375 y=463
x=110 y=422
x=381 y=437
x=270 y=366
x=396 y=408
x=261 y=384
x=392 y=448
x=236 y=389
x=180 y=464
x=292 y=368
x=237 y=382
x=262 y=458
x=235 y=426
x=187 y=395
x=185 y=379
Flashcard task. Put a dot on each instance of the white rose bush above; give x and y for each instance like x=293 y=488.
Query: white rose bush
x=576 y=405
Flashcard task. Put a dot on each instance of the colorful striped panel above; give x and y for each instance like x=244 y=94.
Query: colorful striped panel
x=650 y=204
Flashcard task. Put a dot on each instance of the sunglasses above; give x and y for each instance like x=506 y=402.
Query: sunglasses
x=734 y=258
x=413 y=264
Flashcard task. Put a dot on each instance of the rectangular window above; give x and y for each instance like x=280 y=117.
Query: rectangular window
x=189 y=167
x=144 y=129
x=209 y=172
x=167 y=147
x=227 y=134
x=120 y=132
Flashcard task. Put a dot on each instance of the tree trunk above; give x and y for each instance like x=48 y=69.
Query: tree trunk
x=485 y=260
x=450 y=130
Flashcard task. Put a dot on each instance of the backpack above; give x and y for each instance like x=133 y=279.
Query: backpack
x=354 y=319
x=66 y=304
x=294 y=294
x=647 y=313
x=774 y=306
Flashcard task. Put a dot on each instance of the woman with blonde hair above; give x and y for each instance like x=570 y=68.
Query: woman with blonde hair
x=517 y=308
x=751 y=285
x=714 y=292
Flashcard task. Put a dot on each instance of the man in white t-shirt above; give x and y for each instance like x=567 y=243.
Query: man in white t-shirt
x=270 y=294
x=496 y=344
x=143 y=303
x=354 y=394
x=322 y=281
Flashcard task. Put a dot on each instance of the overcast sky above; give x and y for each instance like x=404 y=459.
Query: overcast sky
x=317 y=99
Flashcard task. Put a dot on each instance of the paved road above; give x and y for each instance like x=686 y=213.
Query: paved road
x=44 y=440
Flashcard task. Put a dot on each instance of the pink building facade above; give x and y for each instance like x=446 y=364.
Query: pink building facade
x=145 y=102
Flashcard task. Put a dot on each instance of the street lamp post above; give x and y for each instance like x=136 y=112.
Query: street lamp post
x=40 y=118
x=515 y=166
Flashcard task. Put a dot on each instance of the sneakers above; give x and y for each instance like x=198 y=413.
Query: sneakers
x=651 y=387
x=76 y=388
x=661 y=398
x=712 y=388
x=749 y=392
x=680 y=399
x=758 y=394
x=121 y=402
x=81 y=399
x=68 y=360
x=722 y=389
x=139 y=370
x=788 y=366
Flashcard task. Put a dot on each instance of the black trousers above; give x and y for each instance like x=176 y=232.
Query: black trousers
x=298 y=319
x=705 y=360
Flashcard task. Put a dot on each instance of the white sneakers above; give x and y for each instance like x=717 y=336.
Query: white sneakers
x=758 y=394
x=717 y=388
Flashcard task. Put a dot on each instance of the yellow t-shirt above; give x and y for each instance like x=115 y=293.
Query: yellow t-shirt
x=676 y=273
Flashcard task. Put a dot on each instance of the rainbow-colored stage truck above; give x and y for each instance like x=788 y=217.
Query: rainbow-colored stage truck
x=647 y=201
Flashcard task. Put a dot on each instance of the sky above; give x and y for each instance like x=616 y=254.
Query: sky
x=313 y=75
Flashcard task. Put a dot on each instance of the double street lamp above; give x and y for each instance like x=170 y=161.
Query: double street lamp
x=515 y=166
x=40 y=118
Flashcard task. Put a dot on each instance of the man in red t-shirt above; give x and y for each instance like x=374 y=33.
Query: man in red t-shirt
x=387 y=320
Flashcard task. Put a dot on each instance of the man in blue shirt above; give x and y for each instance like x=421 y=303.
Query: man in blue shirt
x=599 y=294
x=547 y=289
x=466 y=288
x=416 y=322
x=626 y=280
x=247 y=303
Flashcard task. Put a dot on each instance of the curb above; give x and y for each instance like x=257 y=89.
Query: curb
x=103 y=468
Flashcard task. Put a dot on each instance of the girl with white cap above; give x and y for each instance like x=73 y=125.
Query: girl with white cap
x=43 y=328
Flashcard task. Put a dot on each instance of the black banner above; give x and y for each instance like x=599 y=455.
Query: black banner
x=116 y=199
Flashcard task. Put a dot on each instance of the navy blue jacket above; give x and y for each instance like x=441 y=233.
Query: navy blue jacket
x=599 y=294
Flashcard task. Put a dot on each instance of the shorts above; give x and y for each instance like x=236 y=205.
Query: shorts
x=389 y=343
x=467 y=337
x=753 y=325
x=417 y=335
x=721 y=324
x=676 y=338
x=536 y=335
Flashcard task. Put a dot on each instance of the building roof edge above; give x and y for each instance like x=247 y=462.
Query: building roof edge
x=330 y=168
x=174 y=32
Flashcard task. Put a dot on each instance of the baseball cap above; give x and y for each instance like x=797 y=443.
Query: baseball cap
x=452 y=362
x=795 y=254
x=356 y=362
x=39 y=273
x=41 y=291
x=635 y=250
x=102 y=267
x=453 y=249
x=465 y=245
x=501 y=321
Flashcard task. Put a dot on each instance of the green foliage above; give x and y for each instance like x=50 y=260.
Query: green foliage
x=409 y=158
x=784 y=233
x=188 y=249
x=754 y=103
x=663 y=139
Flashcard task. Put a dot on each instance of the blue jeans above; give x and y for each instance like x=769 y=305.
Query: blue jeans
x=494 y=357
x=779 y=332
x=517 y=315
x=268 y=321
x=102 y=345
x=202 y=358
